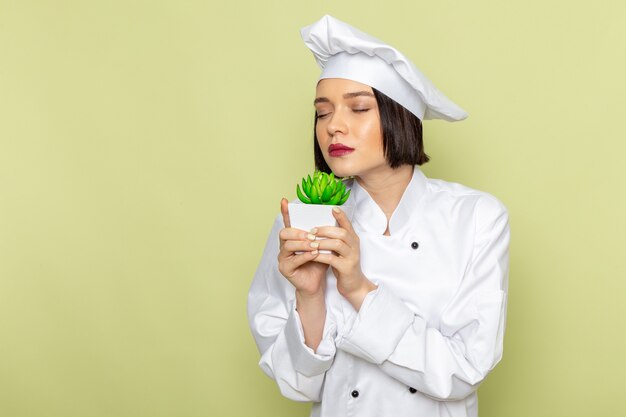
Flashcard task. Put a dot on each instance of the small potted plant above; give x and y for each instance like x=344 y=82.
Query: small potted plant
x=318 y=196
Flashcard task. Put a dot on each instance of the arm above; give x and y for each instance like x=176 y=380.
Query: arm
x=311 y=310
x=277 y=329
x=449 y=362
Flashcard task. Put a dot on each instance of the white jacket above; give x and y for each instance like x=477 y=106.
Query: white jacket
x=425 y=338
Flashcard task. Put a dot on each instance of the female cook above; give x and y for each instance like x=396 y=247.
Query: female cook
x=405 y=316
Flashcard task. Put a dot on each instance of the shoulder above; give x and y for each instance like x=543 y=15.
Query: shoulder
x=484 y=207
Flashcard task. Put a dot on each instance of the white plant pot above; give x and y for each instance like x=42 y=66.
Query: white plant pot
x=307 y=216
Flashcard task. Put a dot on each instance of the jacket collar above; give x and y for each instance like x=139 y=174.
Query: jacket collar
x=369 y=217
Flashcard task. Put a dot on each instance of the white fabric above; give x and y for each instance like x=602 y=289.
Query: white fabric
x=435 y=323
x=343 y=51
x=375 y=72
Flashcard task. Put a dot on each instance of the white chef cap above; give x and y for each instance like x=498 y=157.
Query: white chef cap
x=343 y=51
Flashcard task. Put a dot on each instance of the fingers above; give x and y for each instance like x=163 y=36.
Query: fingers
x=328 y=259
x=342 y=241
x=335 y=245
x=292 y=240
x=344 y=232
x=331 y=232
x=342 y=219
x=284 y=209
x=292 y=233
x=336 y=260
x=299 y=246
x=289 y=261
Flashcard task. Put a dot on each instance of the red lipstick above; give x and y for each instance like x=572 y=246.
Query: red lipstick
x=338 y=149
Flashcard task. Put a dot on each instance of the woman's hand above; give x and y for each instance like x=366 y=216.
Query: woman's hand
x=345 y=260
x=309 y=278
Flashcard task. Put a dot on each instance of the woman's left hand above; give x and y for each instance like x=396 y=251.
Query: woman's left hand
x=345 y=258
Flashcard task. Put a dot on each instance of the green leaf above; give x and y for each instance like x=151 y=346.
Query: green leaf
x=304 y=185
x=301 y=196
x=315 y=198
x=323 y=181
x=334 y=200
x=333 y=187
x=326 y=194
x=345 y=197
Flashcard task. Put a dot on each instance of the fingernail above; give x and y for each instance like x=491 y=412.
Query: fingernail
x=314 y=230
x=310 y=237
x=336 y=210
x=314 y=244
x=314 y=252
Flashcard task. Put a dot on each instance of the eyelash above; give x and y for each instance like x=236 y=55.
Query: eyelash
x=321 y=116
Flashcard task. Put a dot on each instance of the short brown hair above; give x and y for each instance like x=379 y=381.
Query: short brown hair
x=402 y=136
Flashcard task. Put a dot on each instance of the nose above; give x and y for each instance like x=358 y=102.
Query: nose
x=337 y=123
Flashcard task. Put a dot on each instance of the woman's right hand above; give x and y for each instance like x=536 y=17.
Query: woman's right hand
x=308 y=277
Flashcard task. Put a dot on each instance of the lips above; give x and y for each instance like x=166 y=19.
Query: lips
x=338 y=149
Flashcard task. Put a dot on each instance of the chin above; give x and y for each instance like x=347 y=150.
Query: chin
x=342 y=171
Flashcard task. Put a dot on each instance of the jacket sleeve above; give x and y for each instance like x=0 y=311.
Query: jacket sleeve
x=298 y=371
x=448 y=362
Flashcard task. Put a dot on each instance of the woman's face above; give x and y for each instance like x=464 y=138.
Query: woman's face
x=347 y=114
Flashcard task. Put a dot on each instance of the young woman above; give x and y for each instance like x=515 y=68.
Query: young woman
x=405 y=316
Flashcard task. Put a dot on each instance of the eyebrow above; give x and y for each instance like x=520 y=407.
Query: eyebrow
x=347 y=96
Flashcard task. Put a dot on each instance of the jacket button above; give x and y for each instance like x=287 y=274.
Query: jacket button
x=415 y=245
x=412 y=390
x=354 y=393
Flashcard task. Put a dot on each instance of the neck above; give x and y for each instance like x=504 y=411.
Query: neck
x=387 y=188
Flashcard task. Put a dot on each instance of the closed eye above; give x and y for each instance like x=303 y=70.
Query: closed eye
x=322 y=116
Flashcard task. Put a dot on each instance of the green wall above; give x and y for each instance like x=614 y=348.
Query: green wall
x=145 y=146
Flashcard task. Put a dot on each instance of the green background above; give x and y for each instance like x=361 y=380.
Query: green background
x=145 y=146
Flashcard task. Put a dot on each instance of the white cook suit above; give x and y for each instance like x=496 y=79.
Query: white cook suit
x=421 y=342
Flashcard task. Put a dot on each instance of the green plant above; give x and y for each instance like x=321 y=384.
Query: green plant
x=322 y=189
